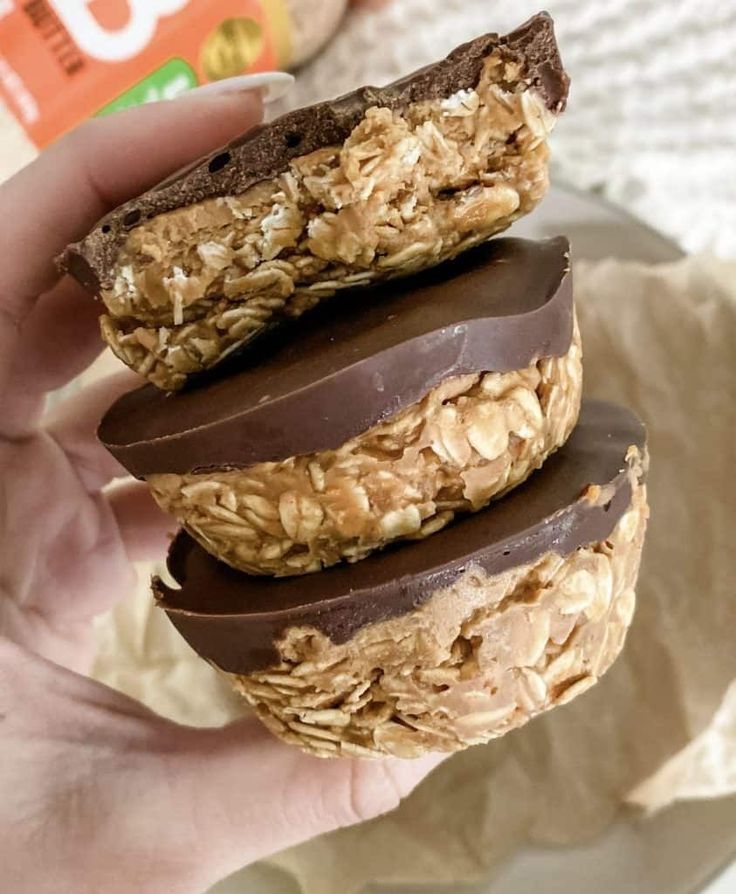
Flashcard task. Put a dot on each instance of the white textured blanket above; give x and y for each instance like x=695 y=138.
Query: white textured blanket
x=651 y=121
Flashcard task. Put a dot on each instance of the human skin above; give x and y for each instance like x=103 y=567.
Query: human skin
x=97 y=793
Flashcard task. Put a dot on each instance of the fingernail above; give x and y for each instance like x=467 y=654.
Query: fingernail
x=271 y=84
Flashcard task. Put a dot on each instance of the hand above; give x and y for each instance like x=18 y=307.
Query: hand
x=98 y=794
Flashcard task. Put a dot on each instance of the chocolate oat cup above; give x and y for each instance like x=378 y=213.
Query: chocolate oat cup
x=371 y=423
x=377 y=184
x=446 y=642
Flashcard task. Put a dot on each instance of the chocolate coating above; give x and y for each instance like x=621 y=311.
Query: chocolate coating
x=266 y=151
x=233 y=619
x=344 y=368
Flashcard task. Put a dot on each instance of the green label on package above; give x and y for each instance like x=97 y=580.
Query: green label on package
x=167 y=82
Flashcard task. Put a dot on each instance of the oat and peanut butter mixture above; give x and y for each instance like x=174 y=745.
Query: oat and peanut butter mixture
x=481 y=657
x=468 y=440
x=407 y=190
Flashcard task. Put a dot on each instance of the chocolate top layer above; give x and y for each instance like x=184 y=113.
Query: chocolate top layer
x=233 y=619
x=344 y=368
x=266 y=151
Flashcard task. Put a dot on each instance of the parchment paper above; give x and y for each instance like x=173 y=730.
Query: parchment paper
x=662 y=725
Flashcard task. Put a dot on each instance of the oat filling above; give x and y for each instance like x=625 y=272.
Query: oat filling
x=483 y=656
x=468 y=440
x=407 y=190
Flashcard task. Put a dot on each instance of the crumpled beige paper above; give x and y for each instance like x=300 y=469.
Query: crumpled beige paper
x=661 y=726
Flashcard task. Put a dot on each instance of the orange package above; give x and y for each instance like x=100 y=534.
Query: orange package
x=64 y=60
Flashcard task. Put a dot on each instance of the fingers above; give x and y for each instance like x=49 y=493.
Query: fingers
x=198 y=804
x=58 y=198
x=145 y=529
x=58 y=339
x=258 y=795
x=85 y=780
x=73 y=425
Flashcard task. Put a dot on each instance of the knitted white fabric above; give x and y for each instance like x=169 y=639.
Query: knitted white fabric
x=651 y=121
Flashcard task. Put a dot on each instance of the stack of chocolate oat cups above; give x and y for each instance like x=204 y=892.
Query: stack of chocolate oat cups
x=401 y=531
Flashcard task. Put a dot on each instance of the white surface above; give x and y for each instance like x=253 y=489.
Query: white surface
x=725 y=884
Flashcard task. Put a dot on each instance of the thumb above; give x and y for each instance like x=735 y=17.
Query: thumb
x=119 y=799
x=255 y=795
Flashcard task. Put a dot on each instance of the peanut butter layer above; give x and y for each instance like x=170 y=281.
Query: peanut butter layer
x=378 y=184
x=447 y=642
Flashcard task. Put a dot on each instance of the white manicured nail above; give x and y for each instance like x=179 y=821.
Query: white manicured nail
x=272 y=85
